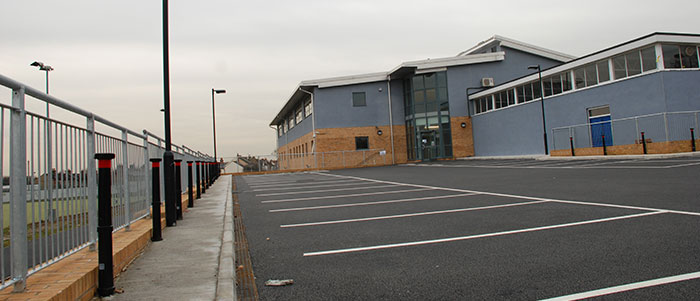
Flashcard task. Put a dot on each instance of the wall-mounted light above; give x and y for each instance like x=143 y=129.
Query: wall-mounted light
x=463 y=125
x=379 y=132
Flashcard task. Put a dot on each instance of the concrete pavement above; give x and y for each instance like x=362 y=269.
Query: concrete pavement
x=194 y=261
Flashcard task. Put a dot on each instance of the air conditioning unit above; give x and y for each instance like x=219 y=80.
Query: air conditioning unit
x=487 y=82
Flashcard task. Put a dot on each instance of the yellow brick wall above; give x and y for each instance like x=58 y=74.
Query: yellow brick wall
x=332 y=142
x=632 y=149
x=462 y=138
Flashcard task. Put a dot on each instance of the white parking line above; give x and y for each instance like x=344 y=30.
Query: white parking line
x=301 y=186
x=525 y=197
x=460 y=238
x=298 y=183
x=373 y=203
x=343 y=195
x=627 y=287
x=365 y=219
x=325 y=190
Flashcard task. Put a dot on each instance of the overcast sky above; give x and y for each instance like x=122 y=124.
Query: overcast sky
x=107 y=55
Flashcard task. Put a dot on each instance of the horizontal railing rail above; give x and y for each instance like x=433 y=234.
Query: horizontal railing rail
x=669 y=127
x=50 y=209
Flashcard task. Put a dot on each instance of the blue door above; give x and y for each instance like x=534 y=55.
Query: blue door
x=601 y=126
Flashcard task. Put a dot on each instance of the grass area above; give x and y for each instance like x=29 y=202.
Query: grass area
x=61 y=207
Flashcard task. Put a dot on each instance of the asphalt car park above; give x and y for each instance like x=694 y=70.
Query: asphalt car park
x=478 y=229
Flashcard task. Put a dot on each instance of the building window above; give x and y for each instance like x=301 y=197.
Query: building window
x=361 y=143
x=280 y=130
x=299 y=116
x=308 y=109
x=680 y=56
x=634 y=63
x=291 y=122
x=359 y=99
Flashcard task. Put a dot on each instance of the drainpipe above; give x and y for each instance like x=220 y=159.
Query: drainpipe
x=313 y=119
x=277 y=137
x=391 y=119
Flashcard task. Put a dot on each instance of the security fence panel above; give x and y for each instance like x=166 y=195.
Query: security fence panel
x=654 y=128
x=660 y=127
x=679 y=125
x=624 y=131
x=49 y=200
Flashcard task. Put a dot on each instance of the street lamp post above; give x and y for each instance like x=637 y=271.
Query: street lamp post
x=168 y=157
x=544 y=124
x=213 y=116
x=47 y=68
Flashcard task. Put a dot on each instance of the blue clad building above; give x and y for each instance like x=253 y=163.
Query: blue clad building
x=504 y=97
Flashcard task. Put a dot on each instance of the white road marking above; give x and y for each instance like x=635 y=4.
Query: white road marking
x=325 y=190
x=528 y=197
x=627 y=287
x=365 y=219
x=460 y=238
x=301 y=186
x=298 y=183
x=373 y=203
x=343 y=195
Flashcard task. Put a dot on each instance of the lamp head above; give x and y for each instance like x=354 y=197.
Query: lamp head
x=535 y=67
x=219 y=91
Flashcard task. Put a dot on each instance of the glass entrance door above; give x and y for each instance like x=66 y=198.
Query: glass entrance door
x=429 y=145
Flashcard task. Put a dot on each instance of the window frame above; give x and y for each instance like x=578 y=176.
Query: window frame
x=364 y=99
x=359 y=140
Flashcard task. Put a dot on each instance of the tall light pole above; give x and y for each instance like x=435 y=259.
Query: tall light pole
x=544 y=124
x=213 y=117
x=168 y=157
x=47 y=68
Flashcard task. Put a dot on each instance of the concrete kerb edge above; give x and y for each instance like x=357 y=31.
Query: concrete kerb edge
x=226 y=277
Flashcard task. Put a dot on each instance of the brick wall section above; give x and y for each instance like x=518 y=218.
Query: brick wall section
x=75 y=277
x=633 y=149
x=330 y=140
x=462 y=138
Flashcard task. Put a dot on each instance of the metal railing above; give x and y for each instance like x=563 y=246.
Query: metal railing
x=322 y=160
x=659 y=127
x=50 y=209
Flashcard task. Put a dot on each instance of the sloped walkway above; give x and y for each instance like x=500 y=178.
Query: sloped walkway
x=194 y=261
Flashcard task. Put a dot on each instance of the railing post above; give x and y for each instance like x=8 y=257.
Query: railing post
x=18 y=191
x=190 y=198
x=105 y=273
x=178 y=188
x=125 y=184
x=149 y=186
x=666 y=125
x=155 y=204
x=644 y=144
x=92 y=184
x=199 y=189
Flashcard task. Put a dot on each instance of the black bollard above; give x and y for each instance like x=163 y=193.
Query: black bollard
x=190 y=199
x=571 y=142
x=105 y=274
x=692 y=139
x=204 y=177
x=605 y=149
x=156 y=234
x=170 y=189
x=644 y=144
x=199 y=190
x=178 y=187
